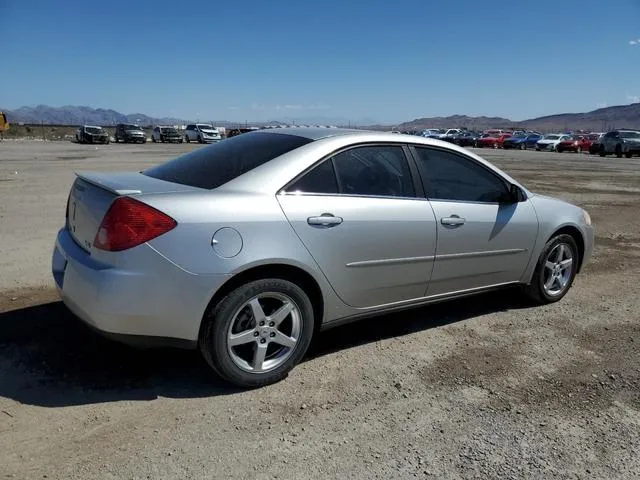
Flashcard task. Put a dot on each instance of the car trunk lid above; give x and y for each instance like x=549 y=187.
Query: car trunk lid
x=92 y=193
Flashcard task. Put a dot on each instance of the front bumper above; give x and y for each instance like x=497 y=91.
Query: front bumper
x=152 y=299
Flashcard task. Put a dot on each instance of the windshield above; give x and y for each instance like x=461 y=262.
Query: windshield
x=630 y=134
x=212 y=166
x=204 y=127
x=131 y=127
x=168 y=130
x=93 y=130
x=519 y=135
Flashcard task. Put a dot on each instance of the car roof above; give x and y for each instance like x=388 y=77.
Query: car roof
x=316 y=133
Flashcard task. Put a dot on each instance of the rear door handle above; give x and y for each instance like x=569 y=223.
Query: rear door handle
x=452 y=220
x=325 y=220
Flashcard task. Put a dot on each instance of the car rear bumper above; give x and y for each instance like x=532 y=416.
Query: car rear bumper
x=163 y=305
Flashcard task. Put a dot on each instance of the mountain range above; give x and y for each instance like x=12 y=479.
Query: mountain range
x=602 y=119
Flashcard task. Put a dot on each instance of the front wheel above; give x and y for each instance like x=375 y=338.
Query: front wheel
x=258 y=332
x=186 y=138
x=555 y=271
x=602 y=151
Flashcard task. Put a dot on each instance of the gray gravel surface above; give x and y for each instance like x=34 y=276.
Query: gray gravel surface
x=485 y=387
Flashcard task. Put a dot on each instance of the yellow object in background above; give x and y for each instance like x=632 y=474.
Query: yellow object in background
x=4 y=123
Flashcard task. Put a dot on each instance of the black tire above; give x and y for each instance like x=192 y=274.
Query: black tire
x=628 y=155
x=535 y=290
x=186 y=139
x=116 y=139
x=523 y=146
x=217 y=322
x=618 y=151
x=559 y=149
x=602 y=152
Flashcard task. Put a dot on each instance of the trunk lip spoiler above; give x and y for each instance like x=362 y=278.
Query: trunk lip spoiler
x=113 y=187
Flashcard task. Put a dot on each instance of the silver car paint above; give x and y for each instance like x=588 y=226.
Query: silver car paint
x=162 y=288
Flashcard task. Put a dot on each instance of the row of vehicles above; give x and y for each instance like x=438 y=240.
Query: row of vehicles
x=623 y=142
x=131 y=133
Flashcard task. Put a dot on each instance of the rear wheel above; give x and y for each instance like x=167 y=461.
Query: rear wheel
x=186 y=138
x=257 y=333
x=555 y=270
x=618 y=151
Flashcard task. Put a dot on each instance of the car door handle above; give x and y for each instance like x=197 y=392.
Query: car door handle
x=452 y=220
x=325 y=220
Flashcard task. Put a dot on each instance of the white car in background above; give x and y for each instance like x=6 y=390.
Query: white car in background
x=550 y=142
x=202 y=133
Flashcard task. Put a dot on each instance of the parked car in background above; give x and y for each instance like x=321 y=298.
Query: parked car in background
x=201 y=133
x=433 y=132
x=129 y=133
x=492 y=140
x=449 y=133
x=92 y=134
x=595 y=145
x=620 y=142
x=522 y=141
x=163 y=134
x=232 y=132
x=550 y=142
x=578 y=143
x=465 y=138
x=178 y=254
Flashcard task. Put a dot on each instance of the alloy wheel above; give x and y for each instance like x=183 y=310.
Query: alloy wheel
x=558 y=269
x=263 y=332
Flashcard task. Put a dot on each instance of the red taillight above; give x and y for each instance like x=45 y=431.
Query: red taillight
x=128 y=223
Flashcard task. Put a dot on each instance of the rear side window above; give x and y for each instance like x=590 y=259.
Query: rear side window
x=380 y=170
x=212 y=166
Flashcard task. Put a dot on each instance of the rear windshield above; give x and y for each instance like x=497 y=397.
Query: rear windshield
x=212 y=166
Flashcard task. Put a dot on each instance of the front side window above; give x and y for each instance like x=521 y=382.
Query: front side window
x=380 y=170
x=449 y=176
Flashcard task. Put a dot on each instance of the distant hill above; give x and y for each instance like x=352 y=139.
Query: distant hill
x=72 y=115
x=602 y=119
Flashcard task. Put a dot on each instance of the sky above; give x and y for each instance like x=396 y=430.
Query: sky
x=260 y=60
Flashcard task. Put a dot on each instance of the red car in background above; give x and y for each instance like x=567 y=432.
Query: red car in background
x=578 y=143
x=492 y=140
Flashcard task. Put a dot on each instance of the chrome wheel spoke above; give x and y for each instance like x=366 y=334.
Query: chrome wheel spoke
x=566 y=263
x=560 y=254
x=241 y=338
x=549 y=265
x=284 y=340
x=256 y=309
x=259 y=356
x=282 y=313
x=549 y=283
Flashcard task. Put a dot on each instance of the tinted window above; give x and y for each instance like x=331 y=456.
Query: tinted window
x=448 y=176
x=375 y=170
x=321 y=179
x=212 y=166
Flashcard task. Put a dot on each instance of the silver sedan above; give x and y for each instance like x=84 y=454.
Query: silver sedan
x=246 y=248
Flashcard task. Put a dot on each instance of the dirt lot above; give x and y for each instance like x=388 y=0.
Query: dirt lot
x=487 y=387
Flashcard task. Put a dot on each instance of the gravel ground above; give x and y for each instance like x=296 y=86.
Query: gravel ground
x=485 y=387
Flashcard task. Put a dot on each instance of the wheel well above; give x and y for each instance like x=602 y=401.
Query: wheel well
x=282 y=271
x=577 y=236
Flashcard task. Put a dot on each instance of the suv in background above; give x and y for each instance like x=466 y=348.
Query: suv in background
x=201 y=133
x=128 y=132
x=620 y=142
x=165 y=134
x=91 y=134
